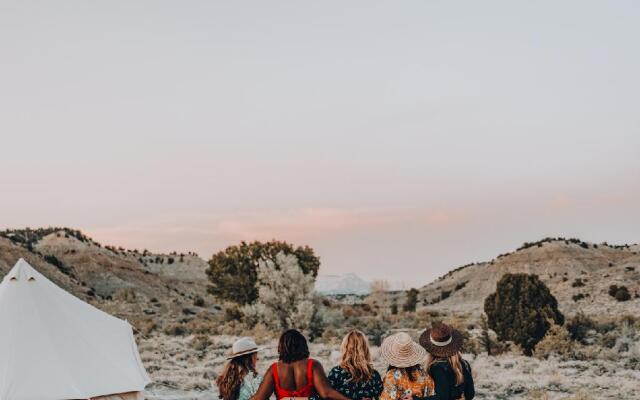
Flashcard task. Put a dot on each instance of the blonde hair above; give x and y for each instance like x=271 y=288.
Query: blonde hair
x=356 y=358
x=233 y=374
x=456 y=364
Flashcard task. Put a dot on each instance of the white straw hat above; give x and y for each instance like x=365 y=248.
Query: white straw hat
x=242 y=347
x=401 y=351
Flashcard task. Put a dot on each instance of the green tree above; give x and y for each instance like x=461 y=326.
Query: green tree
x=411 y=301
x=521 y=310
x=233 y=271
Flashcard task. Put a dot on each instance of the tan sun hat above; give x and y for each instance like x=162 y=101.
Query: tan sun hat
x=401 y=351
x=442 y=340
x=242 y=347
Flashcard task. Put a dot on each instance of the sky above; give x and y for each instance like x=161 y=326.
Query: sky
x=398 y=139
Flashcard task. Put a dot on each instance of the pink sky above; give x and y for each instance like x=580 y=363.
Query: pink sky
x=398 y=142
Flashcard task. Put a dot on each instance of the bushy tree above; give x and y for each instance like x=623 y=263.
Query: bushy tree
x=412 y=300
x=285 y=295
x=233 y=272
x=521 y=310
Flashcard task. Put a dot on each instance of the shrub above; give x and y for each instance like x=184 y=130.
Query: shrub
x=578 y=297
x=460 y=286
x=620 y=293
x=412 y=300
x=203 y=326
x=286 y=298
x=555 y=342
x=198 y=301
x=53 y=260
x=126 y=294
x=234 y=272
x=201 y=342
x=145 y=326
x=376 y=329
x=486 y=341
x=176 y=329
x=579 y=326
x=577 y=283
x=522 y=310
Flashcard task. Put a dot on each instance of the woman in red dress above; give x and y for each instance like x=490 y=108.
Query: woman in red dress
x=295 y=375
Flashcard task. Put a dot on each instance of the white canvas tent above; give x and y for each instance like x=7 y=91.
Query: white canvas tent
x=54 y=346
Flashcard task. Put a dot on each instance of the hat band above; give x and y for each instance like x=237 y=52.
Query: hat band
x=441 y=344
x=244 y=351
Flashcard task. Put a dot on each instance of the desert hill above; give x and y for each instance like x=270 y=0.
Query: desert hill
x=128 y=283
x=579 y=274
x=136 y=284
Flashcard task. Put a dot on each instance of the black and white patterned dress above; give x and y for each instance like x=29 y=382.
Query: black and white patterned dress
x=340 y=380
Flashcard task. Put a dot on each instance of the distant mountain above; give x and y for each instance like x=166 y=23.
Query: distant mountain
x=342 y=284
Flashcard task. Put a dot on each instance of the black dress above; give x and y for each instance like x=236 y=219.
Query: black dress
x=445 y=382
x=340 y=380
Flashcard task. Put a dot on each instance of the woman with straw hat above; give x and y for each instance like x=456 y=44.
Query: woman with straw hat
x=451 y=374
x=239 y=379
x=405 y=376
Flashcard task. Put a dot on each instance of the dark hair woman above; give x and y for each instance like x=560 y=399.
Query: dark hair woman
x=451 y=374
x=295 y=375
x=239 y=379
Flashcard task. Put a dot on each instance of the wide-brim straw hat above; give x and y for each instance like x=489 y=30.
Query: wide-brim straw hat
x=442 y=340
x=401 y=351
x=242 y=347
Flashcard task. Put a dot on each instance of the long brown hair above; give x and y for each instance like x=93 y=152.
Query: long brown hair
x=233 y=374
x=456 y=364
x=356 y=358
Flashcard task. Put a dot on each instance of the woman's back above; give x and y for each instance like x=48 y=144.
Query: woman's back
x=445 y=380
x=293 y=379
x=295 y=374
x=343 y=382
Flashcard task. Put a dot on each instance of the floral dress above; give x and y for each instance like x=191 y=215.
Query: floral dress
x=340 y=380
x=249 y=386
x=397 y=384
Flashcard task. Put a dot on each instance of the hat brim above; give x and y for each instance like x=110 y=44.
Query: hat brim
x=416 y=357
x=442 y=351
x=244 y=353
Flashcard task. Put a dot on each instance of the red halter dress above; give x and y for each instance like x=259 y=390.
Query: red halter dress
x=306 y=391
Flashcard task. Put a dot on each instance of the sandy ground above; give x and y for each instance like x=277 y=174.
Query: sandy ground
x=180 y=372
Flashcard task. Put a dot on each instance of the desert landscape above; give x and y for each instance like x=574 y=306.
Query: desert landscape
x=184 y=332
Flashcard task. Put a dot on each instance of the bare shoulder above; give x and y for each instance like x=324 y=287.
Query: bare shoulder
x=317 y=365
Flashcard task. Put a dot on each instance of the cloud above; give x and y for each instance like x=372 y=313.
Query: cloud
x=208 y=232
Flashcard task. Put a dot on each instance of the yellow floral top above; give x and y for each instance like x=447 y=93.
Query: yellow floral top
x=397 y=384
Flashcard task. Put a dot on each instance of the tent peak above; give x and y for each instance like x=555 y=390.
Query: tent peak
x=21 y=270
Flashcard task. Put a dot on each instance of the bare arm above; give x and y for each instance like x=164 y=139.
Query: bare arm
x=266 y=387
x=321 y=383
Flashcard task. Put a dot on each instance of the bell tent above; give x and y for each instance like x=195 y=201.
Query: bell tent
x=54 y=346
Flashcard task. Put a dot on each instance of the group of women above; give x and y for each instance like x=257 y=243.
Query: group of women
x=430 y=370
